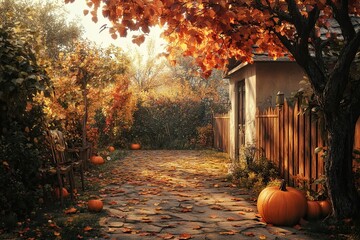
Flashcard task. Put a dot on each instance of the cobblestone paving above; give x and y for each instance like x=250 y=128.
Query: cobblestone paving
x=182 y=195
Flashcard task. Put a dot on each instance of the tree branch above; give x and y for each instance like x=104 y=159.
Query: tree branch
x=295 y=13
x=339 y=77
x=342 y=17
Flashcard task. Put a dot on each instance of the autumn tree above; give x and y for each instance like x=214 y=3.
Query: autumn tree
x=88 y=79
x=47 y=23
x=148 y=71
x=321 y=36
x=213 y=89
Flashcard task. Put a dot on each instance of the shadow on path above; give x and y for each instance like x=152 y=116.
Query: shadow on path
x=181 y=195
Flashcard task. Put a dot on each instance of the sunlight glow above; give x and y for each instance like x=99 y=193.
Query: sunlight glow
x=103 y=38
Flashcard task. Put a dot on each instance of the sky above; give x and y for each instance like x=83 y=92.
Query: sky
x=92 y=30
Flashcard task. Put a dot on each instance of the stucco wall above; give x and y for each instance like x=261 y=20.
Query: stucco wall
x=273 y=77
x=248 y=74
x=263 y=80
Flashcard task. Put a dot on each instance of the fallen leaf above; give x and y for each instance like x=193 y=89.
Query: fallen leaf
x=56 y=233
x=87 y=228
x=166 y=236
x=232 y=232
x=126 y=230
x=231 y=219
x=186 y=210
x=144 y=234
x=249 y=234
x=262 y=237
x=297 y=227
x=237 y=199
x=70 y=210
x=184 y=236
x=197 y=227
x=213 y=216
x=216 y=207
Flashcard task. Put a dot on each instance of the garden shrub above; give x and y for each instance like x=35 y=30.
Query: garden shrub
x=253 y=173
x=22 y=125
x=170 y=124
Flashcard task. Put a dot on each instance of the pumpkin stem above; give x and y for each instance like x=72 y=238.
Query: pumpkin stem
x=283 y=185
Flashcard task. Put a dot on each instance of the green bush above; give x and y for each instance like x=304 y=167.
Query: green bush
x=22 y=124
x=170 y=124
x=255 y=175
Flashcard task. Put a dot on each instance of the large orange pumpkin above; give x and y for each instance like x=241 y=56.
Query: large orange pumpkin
x=281 y=206
x=135 y=146
x=97 y=160
x=313 y=210
x=111 y=149
x=65 y=192
x=95 y=205
x=326 y=208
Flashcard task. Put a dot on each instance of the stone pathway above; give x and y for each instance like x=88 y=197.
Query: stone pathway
x=181 y=195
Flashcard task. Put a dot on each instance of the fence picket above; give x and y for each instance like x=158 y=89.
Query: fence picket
x=288 y=138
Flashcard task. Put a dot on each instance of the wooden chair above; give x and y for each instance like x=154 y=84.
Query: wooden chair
x=66 y=161
x=74 y=156
x=63 y=167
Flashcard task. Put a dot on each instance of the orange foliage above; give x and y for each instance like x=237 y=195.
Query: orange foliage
x=217 y=30
x=91 y=72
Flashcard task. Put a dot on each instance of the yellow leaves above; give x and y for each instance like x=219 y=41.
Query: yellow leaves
x=183 y=46
x=232 y=232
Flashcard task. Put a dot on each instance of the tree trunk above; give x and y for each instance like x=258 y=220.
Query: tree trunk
x=84 y=141
x=338 y=165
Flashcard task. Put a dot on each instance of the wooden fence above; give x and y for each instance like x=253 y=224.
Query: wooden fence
x=289 y=138
x=221 y=124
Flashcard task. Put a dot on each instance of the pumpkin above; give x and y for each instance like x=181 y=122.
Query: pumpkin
x=326 y=208
x=97 y=160
x=111 y=149
x=281 y=206
x=313 y=210
x=65 y=192
x=95 y=205
x=135 y=146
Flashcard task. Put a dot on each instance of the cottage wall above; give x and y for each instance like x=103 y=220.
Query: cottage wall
x=273 y=77
x=263 y=80
x=248 y=74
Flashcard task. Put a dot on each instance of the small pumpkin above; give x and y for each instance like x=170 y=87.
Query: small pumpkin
x=326 y=208
x=65 y=192
x=283 y=206
x=97 y=160
x=135 y=146
x=111 y=149
x=95 y=205
x=313 y=210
